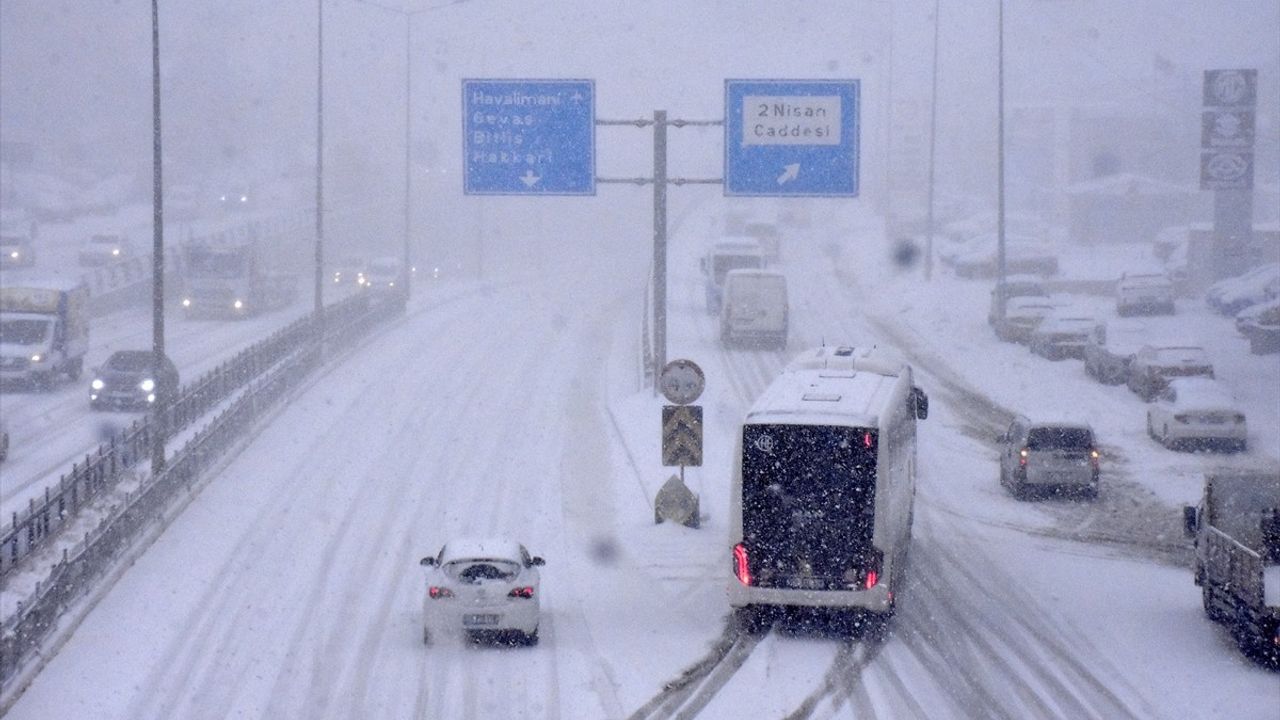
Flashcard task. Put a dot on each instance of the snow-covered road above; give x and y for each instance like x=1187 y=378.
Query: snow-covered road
x=289 y=588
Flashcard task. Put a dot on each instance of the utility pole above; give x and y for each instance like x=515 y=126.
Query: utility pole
x=319 y=306
x=1001 y=269
x=933 y=143
x=659 y=240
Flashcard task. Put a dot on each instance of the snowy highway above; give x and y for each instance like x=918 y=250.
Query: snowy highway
x=290 y=588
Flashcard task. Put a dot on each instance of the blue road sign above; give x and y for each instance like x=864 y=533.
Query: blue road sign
x=529 y=137
x=791 y=138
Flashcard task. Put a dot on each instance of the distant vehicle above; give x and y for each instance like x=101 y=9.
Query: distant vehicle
x=1144 y=292
x=1232 y=295
x=351 y=271
x=726 y=255
x=769 y=237
x=235 y=276
x=130 y=379
x=1023 y=254
x=484 y=587
x=386 y=280
x=822 y=489
x=1260 y=324
x=1236 y=527
x=1022 y=315
x=44 y=331
x=1110 y=350
x=1197 y=411
x=16 y=250
x=1012 y=287
x=1059 y=456
x=106 y=248
x=1153 y=366
x=755 y=308
x=1062 y=336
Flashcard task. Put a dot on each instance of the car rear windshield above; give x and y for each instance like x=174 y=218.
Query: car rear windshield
x=1059 y=438
x=477 y=571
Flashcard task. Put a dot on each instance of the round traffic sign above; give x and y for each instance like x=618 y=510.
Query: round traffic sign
x=682 y=381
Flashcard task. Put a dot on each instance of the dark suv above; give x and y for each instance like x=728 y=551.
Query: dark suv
x=130 y=379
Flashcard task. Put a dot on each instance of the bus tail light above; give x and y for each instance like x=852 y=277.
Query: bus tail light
x=741 y=567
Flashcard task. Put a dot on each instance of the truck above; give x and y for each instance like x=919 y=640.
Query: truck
x=44 y=331
x=236 y=274
x=728 y=254
x=1236 y=529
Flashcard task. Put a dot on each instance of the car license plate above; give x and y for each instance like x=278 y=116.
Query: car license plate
x=485 y=620
x=803 y=583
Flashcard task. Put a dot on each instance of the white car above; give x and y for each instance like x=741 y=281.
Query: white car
x=1232 y=295
x=105 y=248
x=1144 y=292
x=1062 y=336
x=1196 y=410
x=482 y=587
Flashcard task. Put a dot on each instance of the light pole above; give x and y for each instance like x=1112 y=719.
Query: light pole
x=1000 y=240
x=933 y=142
x=158 y=425
x=319 y=309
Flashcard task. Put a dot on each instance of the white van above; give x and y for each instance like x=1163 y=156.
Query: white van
x=755 y=308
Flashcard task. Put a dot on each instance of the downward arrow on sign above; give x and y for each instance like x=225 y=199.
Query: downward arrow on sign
x=529 y=179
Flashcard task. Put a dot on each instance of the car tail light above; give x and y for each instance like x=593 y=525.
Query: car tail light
x=437 y=593
x=1022 y=457
x=741 y=568
x=525 y=592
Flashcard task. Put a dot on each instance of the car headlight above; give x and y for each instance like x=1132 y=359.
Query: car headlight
x=186 y=302
x=14 y=254
x=97 y=384
x=115 y=252
x=147 y=385
x=238 y=304
x=37 y=358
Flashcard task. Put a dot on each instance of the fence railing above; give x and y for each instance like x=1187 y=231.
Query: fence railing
x=73 y=576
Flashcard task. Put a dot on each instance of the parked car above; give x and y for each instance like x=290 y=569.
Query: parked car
x=105 y=248
x=1062 y=336
x=1060 y=456
x=1153 y=366
x=16 y=250
x=1021 y=316
x=483 y=587
x=1232 y=295
x=130 y=379
x=1196 y=411
x=1023 y=254
x=1111 y=348
x=1261 y=325
x=1144 y=292
x=1012 y=287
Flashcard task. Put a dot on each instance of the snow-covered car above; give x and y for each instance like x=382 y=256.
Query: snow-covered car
x=1261 y=325
x=1057 y=455
x=1232 y=295
x=1062 y=336
x=482 y=587
x=1199 y=411
x=1012 y=287
x=1153 y=366
x=1111 y=348
x=1021 y=316
x=16 y=250
x=130 y=379
x=105 y=248
x=1144 y=292
x=1023 y=254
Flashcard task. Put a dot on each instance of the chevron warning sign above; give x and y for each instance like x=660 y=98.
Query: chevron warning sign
x=682 y=435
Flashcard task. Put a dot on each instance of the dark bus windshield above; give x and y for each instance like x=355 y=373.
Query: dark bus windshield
x=808 y=502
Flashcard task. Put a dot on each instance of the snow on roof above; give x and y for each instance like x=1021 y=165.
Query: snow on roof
x=738 y=244
x=1200 y=393
x=836 y=385
x=1128 y=184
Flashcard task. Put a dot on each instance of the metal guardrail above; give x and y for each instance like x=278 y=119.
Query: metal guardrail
x=80 y=567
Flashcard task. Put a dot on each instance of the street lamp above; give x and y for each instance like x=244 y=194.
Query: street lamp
x=1001 y=267
x=163 y=393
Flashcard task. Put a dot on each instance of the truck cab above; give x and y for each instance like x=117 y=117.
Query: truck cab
x=44 y=331
x=1236 y=530
x=723 y=256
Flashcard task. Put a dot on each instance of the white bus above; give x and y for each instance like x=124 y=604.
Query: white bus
x=823 y=486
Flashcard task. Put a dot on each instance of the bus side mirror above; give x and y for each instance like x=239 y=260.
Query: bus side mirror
x=427 y=561
x=1190 y=523
x=537 y=561
x=920 y=401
